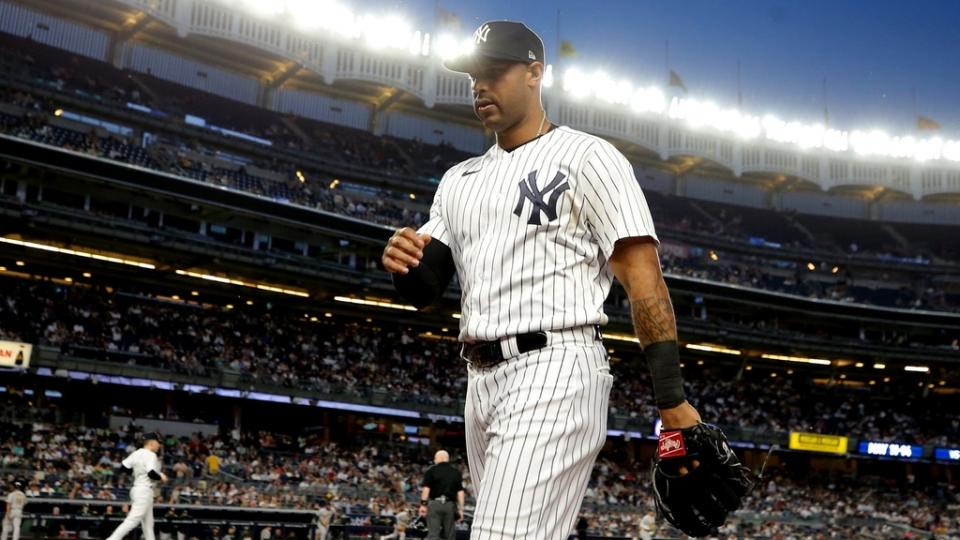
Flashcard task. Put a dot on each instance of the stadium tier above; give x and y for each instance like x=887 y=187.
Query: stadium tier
x=192 y=217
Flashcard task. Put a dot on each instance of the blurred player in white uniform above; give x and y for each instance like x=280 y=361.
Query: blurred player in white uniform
x=13 y=515
x=403 y=518
x=648 y=526
x=145 y=467
x=324 y=518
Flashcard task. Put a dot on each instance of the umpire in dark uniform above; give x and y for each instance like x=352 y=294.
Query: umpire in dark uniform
x=441 y=499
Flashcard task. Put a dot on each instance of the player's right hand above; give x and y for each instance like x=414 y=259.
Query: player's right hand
x=404 y=250
x=423 y=511
x=163 y=477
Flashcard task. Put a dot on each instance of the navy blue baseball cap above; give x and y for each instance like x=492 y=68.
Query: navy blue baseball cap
x=152 y=436
x=500 y=40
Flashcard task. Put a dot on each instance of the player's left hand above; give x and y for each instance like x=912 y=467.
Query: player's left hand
x=697 y=479
x=423 y=511
x=679 y=417
x=461 y=515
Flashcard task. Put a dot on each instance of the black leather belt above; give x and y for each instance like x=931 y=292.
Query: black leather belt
x=484 y=354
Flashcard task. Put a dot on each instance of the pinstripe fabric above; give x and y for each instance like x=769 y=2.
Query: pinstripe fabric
x=531 y=232
x=518 y=277
x=534 y=427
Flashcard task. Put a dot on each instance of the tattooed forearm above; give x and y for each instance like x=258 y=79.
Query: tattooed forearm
x=653 y=319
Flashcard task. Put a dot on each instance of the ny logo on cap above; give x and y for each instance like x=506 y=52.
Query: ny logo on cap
x=481 y=34
x=529 y=190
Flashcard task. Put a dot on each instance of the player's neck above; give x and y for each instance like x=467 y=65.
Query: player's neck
x=533 y=126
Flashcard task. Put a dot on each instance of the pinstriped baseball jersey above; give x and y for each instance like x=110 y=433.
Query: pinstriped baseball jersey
x=532 y=230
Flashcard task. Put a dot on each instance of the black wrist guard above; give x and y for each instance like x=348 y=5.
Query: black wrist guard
x=424 y=502
x=422 y=285
x=663 y=359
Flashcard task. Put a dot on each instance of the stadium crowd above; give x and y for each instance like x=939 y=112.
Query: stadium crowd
x=369 y=483
x=276 y=348
x=278 y=175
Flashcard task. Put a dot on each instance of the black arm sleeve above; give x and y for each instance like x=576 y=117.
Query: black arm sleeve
x=424 y=284
x=154 y=475
x=125 y=470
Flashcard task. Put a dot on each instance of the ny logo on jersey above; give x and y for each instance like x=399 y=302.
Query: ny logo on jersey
x=481 y=34
x=528 y=190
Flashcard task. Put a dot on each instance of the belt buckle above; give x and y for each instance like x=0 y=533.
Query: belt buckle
x=477 y=354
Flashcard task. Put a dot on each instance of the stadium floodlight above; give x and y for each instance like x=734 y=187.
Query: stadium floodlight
x=621 y=337
x=308 y=14
x=242 y=283
x=917 y=369
x=950 y=150
x=712 y=348
x=374 y=303
x=263 y=8
x=448 y=47
x=76 y=253
x=700 y=114
x=576 y=83
x=389 y=32
x=649 y=99
x=800 y=359
x=548 y=76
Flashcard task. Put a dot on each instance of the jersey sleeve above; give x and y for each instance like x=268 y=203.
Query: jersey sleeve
x=613 y=204
x=128 y=462
x=435 y=226
x=9 y=499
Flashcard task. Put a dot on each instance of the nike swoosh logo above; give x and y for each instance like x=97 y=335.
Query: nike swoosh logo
x=468 y=173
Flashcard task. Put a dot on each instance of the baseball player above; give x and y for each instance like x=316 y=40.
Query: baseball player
x=13 y=514
x=648 y=525
x=536 y=229
x=324 y=517
x=402 y=521
x=145 y=467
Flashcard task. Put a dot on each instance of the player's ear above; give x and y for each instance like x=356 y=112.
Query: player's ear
x=535 y=73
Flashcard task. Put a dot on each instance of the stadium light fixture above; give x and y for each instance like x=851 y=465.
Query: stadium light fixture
x=449 y=47
x=917 y=369
x=3 y=268
x=374 y=303
x=621 y=337
x=456 y=315
x=242 y=283
x=712 y=348
x=263 y=8
x=548 y=76
x=75 y=252
x=21 y=263
x=801 y=359
x=87 y=275
x=879 y=366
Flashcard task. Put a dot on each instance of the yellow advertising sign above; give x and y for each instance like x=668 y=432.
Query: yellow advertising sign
x=815 y=442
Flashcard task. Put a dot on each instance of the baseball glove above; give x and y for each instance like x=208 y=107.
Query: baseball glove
x=698 y=500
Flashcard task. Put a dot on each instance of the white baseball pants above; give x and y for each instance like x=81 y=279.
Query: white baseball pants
x=141 y=514
x=534 y=426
